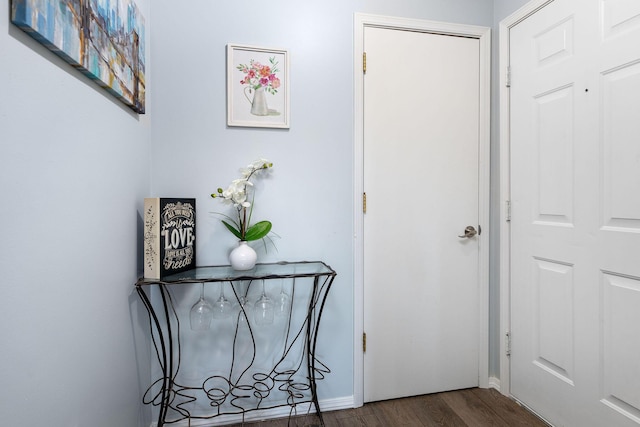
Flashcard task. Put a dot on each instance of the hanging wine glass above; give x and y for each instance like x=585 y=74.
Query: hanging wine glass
x=201 y=313
x=243 y=305
x=263 y=310
x=282 y=302
x=222 y=306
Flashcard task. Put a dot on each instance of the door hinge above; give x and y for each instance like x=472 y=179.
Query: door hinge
x=507 y=343
x=364 y=202
x=507 y=205
x=364 y=62
x=508 y=84
x=364 y=342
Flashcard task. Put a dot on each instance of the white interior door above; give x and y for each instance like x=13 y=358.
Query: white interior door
x=575 y=224
x=421 y=139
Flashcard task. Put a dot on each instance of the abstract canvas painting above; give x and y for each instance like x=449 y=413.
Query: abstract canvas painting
x=104 y=39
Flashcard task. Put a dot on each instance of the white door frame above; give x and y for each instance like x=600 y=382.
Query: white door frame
x=483 y=34
x=505 y=185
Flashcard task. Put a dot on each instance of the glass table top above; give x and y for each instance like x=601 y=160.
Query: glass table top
x=224 y=273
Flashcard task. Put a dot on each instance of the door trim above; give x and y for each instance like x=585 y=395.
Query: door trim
x=505 y=184
x=483 y=34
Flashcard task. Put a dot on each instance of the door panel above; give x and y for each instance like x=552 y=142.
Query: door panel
x=618 y=236
x=421 y=135
x=575 y=234
x=620 y=162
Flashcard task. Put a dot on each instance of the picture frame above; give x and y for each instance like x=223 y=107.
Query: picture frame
x=257 y=87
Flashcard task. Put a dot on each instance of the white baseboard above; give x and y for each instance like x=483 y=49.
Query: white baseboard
x=258 y=415
x=336 y=404
x=494 y=382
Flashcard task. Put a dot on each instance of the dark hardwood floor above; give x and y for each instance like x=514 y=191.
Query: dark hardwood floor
x=463 y=408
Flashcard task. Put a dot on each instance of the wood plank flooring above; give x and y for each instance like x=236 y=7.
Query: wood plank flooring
x=463 y=408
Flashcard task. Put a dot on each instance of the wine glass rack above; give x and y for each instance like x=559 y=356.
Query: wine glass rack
x=290 y=377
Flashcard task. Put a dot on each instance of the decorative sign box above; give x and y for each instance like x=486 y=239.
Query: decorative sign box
x=169 y=236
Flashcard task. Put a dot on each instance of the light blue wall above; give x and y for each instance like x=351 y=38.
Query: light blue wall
x=310 y=195
x=76 y=164
x=504 y=8
x=74 y=169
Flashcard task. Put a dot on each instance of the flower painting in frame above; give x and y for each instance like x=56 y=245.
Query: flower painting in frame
x=257 y=87
x=104 y=39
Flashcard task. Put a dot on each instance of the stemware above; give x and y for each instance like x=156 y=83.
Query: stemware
x=222 y=306
x=263 y=310
x=243 y=306
x=201 y=313
x=282 y=301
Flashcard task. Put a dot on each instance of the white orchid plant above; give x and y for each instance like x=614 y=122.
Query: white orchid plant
x=237 y=194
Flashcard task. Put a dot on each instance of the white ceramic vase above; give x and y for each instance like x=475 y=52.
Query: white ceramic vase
x=243 y=257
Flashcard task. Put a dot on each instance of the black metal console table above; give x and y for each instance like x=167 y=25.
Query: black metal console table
x=243 y=387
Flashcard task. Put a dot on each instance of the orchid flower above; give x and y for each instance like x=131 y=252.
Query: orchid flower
x=237 y=195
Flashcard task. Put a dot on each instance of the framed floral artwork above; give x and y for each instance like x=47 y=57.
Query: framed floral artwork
x=257 y=87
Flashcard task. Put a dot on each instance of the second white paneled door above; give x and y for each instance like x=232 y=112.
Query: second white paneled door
x=575 y=197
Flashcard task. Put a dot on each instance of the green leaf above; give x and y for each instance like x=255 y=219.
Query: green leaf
x=258 y=230
x=232 y=229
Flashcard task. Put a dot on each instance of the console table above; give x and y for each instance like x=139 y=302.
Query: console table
x=290 y=377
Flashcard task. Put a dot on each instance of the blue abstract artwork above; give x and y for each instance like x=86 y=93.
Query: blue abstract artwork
x=104 y=39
